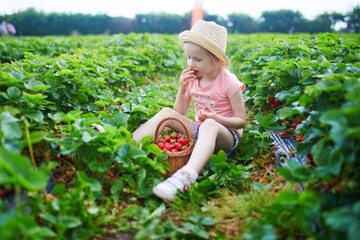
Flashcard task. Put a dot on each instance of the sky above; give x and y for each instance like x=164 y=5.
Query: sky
x=129 y=8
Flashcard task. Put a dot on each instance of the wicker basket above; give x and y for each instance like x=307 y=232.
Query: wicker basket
x=176 y=159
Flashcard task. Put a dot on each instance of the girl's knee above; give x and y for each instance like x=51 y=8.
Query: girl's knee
x=166 y=112
x=209 y=125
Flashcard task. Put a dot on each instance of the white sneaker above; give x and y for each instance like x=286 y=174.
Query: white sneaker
x=98 y=127
x=167 y=189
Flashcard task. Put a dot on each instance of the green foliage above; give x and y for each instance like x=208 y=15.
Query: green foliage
x=53 y=90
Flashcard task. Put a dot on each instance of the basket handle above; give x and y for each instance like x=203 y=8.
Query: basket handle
x=171 y=118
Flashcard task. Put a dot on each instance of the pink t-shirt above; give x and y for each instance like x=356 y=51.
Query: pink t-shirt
x=217 y=95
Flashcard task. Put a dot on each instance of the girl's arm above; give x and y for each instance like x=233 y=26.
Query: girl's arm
x=183 y=98
x=238 y=107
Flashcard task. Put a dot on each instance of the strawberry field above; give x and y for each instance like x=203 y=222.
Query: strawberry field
x=60 y=178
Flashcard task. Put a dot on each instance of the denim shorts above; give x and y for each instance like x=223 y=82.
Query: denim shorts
x=235 y=135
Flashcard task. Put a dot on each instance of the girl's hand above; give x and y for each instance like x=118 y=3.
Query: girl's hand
x=206 y=113
x=186 y=77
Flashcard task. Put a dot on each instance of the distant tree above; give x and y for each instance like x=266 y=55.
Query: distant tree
x=214 y=18
x=322 y=23
x=282 y=21
x=353 y=20
x=158 y=23
x=31 y=22
x=241 y=23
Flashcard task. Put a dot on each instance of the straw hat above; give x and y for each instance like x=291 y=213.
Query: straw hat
x=210 y=36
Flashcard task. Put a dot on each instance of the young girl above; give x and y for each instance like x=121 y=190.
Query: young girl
x=217 y=94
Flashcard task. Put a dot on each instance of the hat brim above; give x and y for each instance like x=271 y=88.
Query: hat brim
x=188 y=36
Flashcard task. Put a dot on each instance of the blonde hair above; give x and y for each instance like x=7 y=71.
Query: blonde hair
x=205 y=51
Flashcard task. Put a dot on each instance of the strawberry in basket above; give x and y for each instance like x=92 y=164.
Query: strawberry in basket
x=173 y=143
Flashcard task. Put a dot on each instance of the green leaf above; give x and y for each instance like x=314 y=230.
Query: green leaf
x=36 y=99
x=36 y=86
x=286 y=173
x=86 y=137
x=21 y=172
x=146 y=140
x=13 y=93
x=207 y=221
x=288 y=198
x=288 y=112
x=261 y=232
x=283 y=95
x=69 y=221
x=66 y=72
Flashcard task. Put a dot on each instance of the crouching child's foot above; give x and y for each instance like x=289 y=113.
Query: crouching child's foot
x=181 y=180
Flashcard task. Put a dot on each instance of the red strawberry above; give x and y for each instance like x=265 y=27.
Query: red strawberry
x=195 y=71
x=174 y=150
x=2 y=194
x=169 y=147
x=161 y=145
x=273 y=105
x=178 y=146
x=184 y=148
x=182 y=141
x=326 y=186
x=276 y=102
x=294 y=125
x=162 y=140
x=111 y=175
x=167 y=138
x=282 y=134
x=271 y=99
x=299 y=121
x=173 y=135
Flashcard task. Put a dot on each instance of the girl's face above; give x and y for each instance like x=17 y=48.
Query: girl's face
x=201 y=60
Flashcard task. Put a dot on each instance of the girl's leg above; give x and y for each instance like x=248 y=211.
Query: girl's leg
x=212 y=137
x=149 y=127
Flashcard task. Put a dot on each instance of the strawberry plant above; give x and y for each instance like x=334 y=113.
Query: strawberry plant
x=53 y=91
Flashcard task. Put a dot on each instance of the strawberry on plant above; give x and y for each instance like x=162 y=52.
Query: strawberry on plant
x=2 y=194
x=299 y=121
x=111 y=175
x=294 y=125
x=273 y=105
x=326 y=186
x=282 y=134
x=271 y=99
x=276 y=102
